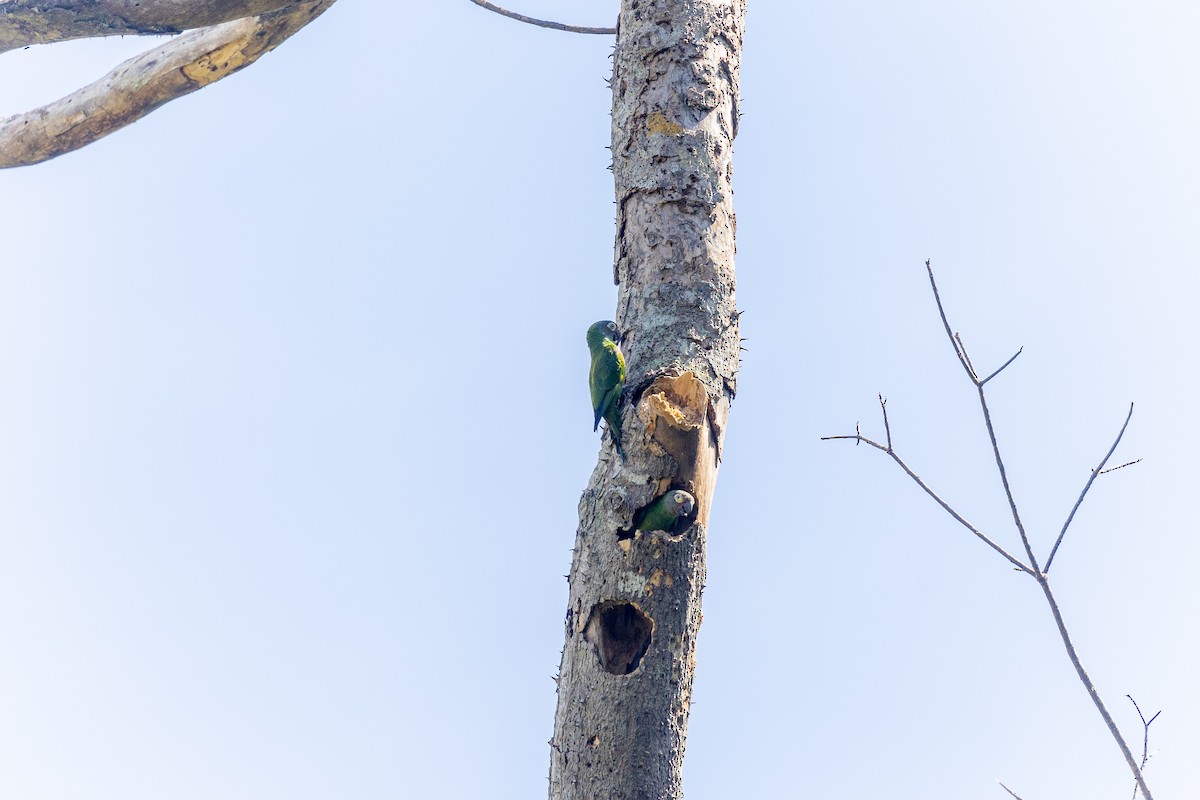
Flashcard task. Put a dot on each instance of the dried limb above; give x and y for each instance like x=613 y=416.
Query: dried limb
x=960 y=351
x=142 y=84
x=541 y=23
x=1099 y=470
x=28 y=22
x=1145 y=736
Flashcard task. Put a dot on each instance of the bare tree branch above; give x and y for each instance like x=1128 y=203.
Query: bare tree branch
x=1037 y=574
x=955 y=343
x=27 y=22
x=1002 y=366
x=1012 y=503
x=1032 y=569
x=961 y=350
x=1145 y=737
x=887 y=427
x=1099 y=470
x=144 y=83
x=1091 y=688
x=541 y=23
x=859 y=438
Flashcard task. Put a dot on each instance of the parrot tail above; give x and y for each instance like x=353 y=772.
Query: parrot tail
x=614 y=428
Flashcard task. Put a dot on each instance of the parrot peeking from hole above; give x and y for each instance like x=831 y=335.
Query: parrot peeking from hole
x=666 y=513
x=607 y=377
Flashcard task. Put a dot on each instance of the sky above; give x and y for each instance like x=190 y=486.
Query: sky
x=293 y=416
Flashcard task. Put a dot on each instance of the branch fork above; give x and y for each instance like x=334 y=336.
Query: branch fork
x=1029 y=565
x=143 y=83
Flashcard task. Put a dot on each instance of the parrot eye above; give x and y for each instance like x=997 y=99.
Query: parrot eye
x=612 y=327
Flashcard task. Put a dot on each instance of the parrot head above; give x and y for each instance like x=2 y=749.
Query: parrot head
x=599 y=331
x=683 y=502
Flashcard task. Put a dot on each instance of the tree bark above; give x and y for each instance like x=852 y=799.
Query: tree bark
x=633 y=614
x=26 y=22
x=146 y=82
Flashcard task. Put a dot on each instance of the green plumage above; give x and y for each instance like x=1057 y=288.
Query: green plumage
x=607 y=377
x=667 y=513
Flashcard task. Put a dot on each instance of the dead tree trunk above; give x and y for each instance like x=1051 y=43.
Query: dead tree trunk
x=625 y=681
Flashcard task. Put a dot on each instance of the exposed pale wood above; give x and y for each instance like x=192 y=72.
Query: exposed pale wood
x=144 y=83
x=26 y=22
x=675 y=104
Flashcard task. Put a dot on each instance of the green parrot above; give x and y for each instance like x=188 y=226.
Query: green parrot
x=607 y=377
x=665 y=513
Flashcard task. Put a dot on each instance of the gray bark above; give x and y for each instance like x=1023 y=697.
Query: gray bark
x=26 y=22
x=142 y=84
x=633 y=614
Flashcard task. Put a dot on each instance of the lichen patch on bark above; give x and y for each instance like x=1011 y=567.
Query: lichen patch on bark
x=657 y=123
x=658 y=578
x=213 y=66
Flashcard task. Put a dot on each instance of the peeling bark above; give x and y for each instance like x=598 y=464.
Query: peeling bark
x=27 y=22
x=633 y=615
x=142 y=84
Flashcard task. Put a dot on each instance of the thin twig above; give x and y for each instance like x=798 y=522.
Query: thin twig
x=1010 y=791
x=1012 y=503
x=1145 y=736
x=1002 y=366
x=961 y=349
x=1099 y=470
x=949 y=510
x=946 y=323
x=887 y=428
x=1120 y=466
x=541 y=23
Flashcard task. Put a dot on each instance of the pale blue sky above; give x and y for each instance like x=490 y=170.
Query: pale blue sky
x=253 y=348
